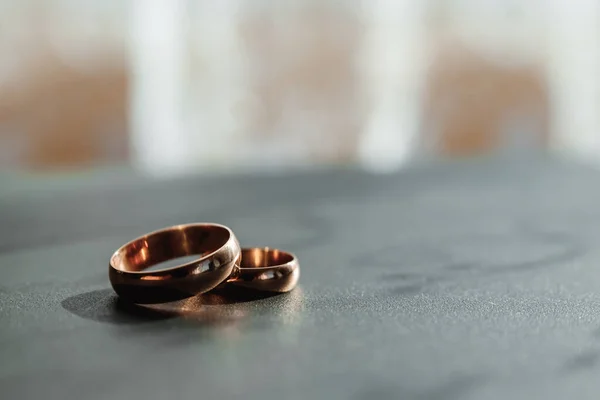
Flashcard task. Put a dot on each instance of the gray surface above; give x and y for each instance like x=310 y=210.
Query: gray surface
x=478 y=280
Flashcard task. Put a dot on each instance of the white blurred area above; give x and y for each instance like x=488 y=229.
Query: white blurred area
x=185 y=86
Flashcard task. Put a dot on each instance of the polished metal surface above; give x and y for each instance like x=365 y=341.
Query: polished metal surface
x=266 y=269
x=215 y=245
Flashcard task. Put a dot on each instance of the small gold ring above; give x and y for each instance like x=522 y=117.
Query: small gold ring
x=266 y=269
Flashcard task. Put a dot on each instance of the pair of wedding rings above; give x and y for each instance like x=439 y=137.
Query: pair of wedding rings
x=221 y=261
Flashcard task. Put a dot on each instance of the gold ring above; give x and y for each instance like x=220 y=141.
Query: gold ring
x=216 y=246
x=266 y=269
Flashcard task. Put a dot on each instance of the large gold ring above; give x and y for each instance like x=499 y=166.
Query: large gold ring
x=216 y=246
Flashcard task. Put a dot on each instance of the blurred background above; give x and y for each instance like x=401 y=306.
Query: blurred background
x=179 y=86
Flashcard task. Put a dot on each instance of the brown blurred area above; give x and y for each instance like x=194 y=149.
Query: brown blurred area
x=56 y=115
x=63 y=91
x=61 y=117
x=320 y=77
x=472 y=101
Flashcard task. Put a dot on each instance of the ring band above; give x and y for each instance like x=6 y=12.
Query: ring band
x=266 y=269
x=216 y=245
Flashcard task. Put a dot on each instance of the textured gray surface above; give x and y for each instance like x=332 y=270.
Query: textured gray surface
x=477 y=280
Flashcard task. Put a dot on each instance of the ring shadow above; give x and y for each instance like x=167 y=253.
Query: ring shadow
x=105 y=306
